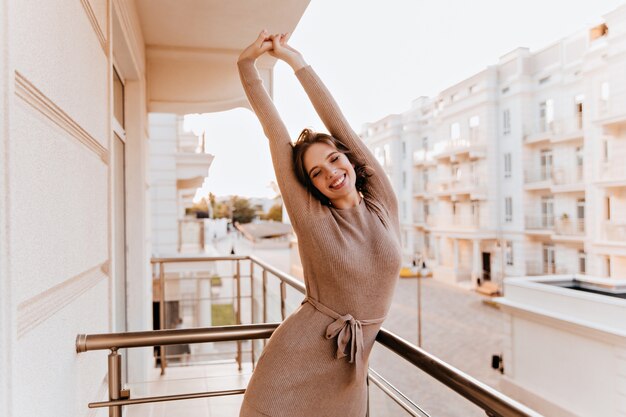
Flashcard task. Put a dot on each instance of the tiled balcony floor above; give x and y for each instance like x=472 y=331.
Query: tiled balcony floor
x=190 y=379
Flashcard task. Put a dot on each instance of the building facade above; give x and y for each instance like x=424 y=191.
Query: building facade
x=517 y=170
x=77 y=81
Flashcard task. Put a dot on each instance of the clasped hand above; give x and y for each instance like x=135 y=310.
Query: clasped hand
x=276 y=45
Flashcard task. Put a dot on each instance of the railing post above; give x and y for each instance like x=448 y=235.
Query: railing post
x=238 y=314
x=252 y=310
x=367 y=381
x=283 y=296
x=115 y=382
x=264 y=300
x=162 y=312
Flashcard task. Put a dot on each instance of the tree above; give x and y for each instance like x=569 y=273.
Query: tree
x=275 y=213
x=242 y=212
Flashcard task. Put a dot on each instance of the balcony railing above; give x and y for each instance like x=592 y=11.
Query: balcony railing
x=422 y=156
x=541 y=222
x=568 y=175
x=459 y=221
x=535 y=268
x=461 y=184
x=570 y=227
x=613 y=111
x=615 y=231
x=445 y=147
x=614 y=170
x=538 y=174
x=491 y=401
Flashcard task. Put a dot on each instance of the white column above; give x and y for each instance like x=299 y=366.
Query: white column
x=455 y=251
x=476 y=261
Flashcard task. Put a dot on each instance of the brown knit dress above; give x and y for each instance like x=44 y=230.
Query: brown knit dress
x=315 y=363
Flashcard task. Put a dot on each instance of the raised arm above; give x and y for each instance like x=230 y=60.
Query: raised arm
x=379 y=185
x=297 y=198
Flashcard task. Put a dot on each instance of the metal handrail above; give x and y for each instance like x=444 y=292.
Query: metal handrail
x=489 y=399
x=114 y=341
x=492 y=401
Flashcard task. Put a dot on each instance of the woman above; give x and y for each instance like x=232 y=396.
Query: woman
x=344 y=212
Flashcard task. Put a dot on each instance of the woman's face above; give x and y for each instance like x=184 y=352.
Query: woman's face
x=331 y=173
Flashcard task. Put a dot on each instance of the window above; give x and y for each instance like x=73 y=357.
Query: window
x=604 y=97
x=455 y=171
x=505 y=90
x=378 y=154
x=425 y=143
x=506 y=122
x=509 y=252
x=403 y=179
x=605 y=151
x=582 y=262
x=580 y=215
x=598 y=32
x=580 y=163
x=544 y=80
x=118 y=98
x=545 y=163
x=454 y=208
x=608 y=266
x=547 y=212
x=387 y=153
x=507 y=165
x=549 y=259
x=473 y=88
x=578 y=109
x=455 y=131
x=403 y=150
x=453 y=97
x=474 y=123
x=546 y=115
x=404 y=209
x=508 y=209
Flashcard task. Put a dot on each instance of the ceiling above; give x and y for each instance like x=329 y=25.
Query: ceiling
x=192 y=48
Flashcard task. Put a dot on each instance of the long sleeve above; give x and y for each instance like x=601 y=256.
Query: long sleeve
x=379 y=186
x=297 y=199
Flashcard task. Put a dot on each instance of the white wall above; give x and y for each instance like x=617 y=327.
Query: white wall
x=56 y=245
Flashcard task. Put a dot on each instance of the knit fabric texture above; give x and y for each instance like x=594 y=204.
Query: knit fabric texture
x=351 y=261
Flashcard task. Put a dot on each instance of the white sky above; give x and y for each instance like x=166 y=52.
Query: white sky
x=376 y=57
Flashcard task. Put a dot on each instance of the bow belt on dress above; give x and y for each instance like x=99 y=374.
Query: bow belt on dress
x=348 y=330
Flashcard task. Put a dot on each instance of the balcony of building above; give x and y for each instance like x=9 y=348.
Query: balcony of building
x=615 y=231
x=534 y=268
x=423 y=157
x=472 y=186
x=216 y=314
x=612 y=173
x=567 y=179
x=612 y=112
x=554 y=131
x=540 y=132
x=566 y=229
x=542 y=224
x=538 y=178
x=473 y=146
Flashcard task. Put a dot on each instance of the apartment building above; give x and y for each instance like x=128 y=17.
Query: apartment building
x=178 y=167
x=517 y=170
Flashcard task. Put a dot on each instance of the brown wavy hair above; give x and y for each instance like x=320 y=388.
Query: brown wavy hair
x=309 y=137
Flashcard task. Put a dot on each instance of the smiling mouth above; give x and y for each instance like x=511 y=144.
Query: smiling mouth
x=339 y=183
